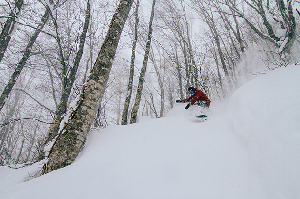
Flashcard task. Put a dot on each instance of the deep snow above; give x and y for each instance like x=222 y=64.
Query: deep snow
x=249 y=148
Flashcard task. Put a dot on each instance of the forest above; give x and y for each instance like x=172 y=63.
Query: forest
x=71 y=66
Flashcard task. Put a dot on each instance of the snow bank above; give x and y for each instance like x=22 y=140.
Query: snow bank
x=251 y=150
x=265 y=115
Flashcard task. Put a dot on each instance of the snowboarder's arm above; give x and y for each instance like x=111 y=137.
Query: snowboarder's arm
x=187 y=99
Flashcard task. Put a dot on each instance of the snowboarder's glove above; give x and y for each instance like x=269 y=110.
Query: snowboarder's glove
x=178 y=101
x=205 y=105
x=187 y=106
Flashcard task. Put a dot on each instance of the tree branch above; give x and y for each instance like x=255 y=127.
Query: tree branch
x=19 y=89
x=25 y=118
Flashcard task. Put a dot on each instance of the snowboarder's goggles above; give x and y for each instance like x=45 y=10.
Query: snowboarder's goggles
x=191 y=91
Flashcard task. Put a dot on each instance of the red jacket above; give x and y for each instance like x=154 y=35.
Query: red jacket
x=197 y=96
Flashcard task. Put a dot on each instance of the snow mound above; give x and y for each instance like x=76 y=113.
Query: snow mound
x=249 y=151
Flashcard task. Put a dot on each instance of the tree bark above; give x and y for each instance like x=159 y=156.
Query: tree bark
x=178 y=68
x=210 y=22
x=252 y=26
x=194 y=69
x=287 y=16
x=9 y=27
x=130 y=82
x=20 y=150
x=290 y=23
x=29 y=148
x=6 y=129
x=62 y=106
x=236 y=31
x=161 y=86
x=71 y=139
x=143 y=70
x=24 y=59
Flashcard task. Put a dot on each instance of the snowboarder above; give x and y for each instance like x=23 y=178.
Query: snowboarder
x=196 y=96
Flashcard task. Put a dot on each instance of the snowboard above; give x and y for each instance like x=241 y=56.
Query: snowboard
x=201 y=116
x=195 y=113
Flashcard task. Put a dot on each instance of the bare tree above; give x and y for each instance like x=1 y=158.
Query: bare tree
x=174 y=17
x=143 y=70
x=70 y=140
x=5 y=131
x=209 y=19
x=68 y=80
x=287 y=21
x=178 y=68
x=9 y=27
x=229 y=25
x=24 y=59
x=130 y=81
x=161 y=85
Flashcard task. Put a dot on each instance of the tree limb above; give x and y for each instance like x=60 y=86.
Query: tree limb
x=19 y=89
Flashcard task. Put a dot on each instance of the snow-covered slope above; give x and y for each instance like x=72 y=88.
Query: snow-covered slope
x=250 y=150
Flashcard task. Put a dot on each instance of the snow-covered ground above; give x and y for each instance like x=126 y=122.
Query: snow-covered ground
x=249 y=150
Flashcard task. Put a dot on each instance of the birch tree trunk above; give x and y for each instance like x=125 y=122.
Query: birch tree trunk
x=143 y=70
x=210 y=22
x=9 y=27
x=6 y=130
x=29 y=148
x=130 y=82
x=178 y=68
x=70 y=140
x=215 y=56
x=24 y=59
x=209 y=19
x=187 y=68
x=68 y=83
x=194 y=69
x=161 y=86
x=290 y=22
x=20 y=150
x=236 y=31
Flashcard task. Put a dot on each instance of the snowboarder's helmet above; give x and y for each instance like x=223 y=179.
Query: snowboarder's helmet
x=191 y=90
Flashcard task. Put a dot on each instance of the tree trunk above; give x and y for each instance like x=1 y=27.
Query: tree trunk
x=252 y=26
x=170 y=93
x=238 y=34
x=21 y=149
x=210 y=22
x=29 y=148
x=236 y=30
x=194 y=68
x=290 y=23
x=7 y=128
x=178 y=68
x=152 y=105
x=119 y=93
x=161 y=85
x=71 y=139
x=62 y=106
x=9 y=27
x=130 y=82
x=286 y=14
x=187 y=68
x=25 y=57
x=143 y=71
x=214 y=53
